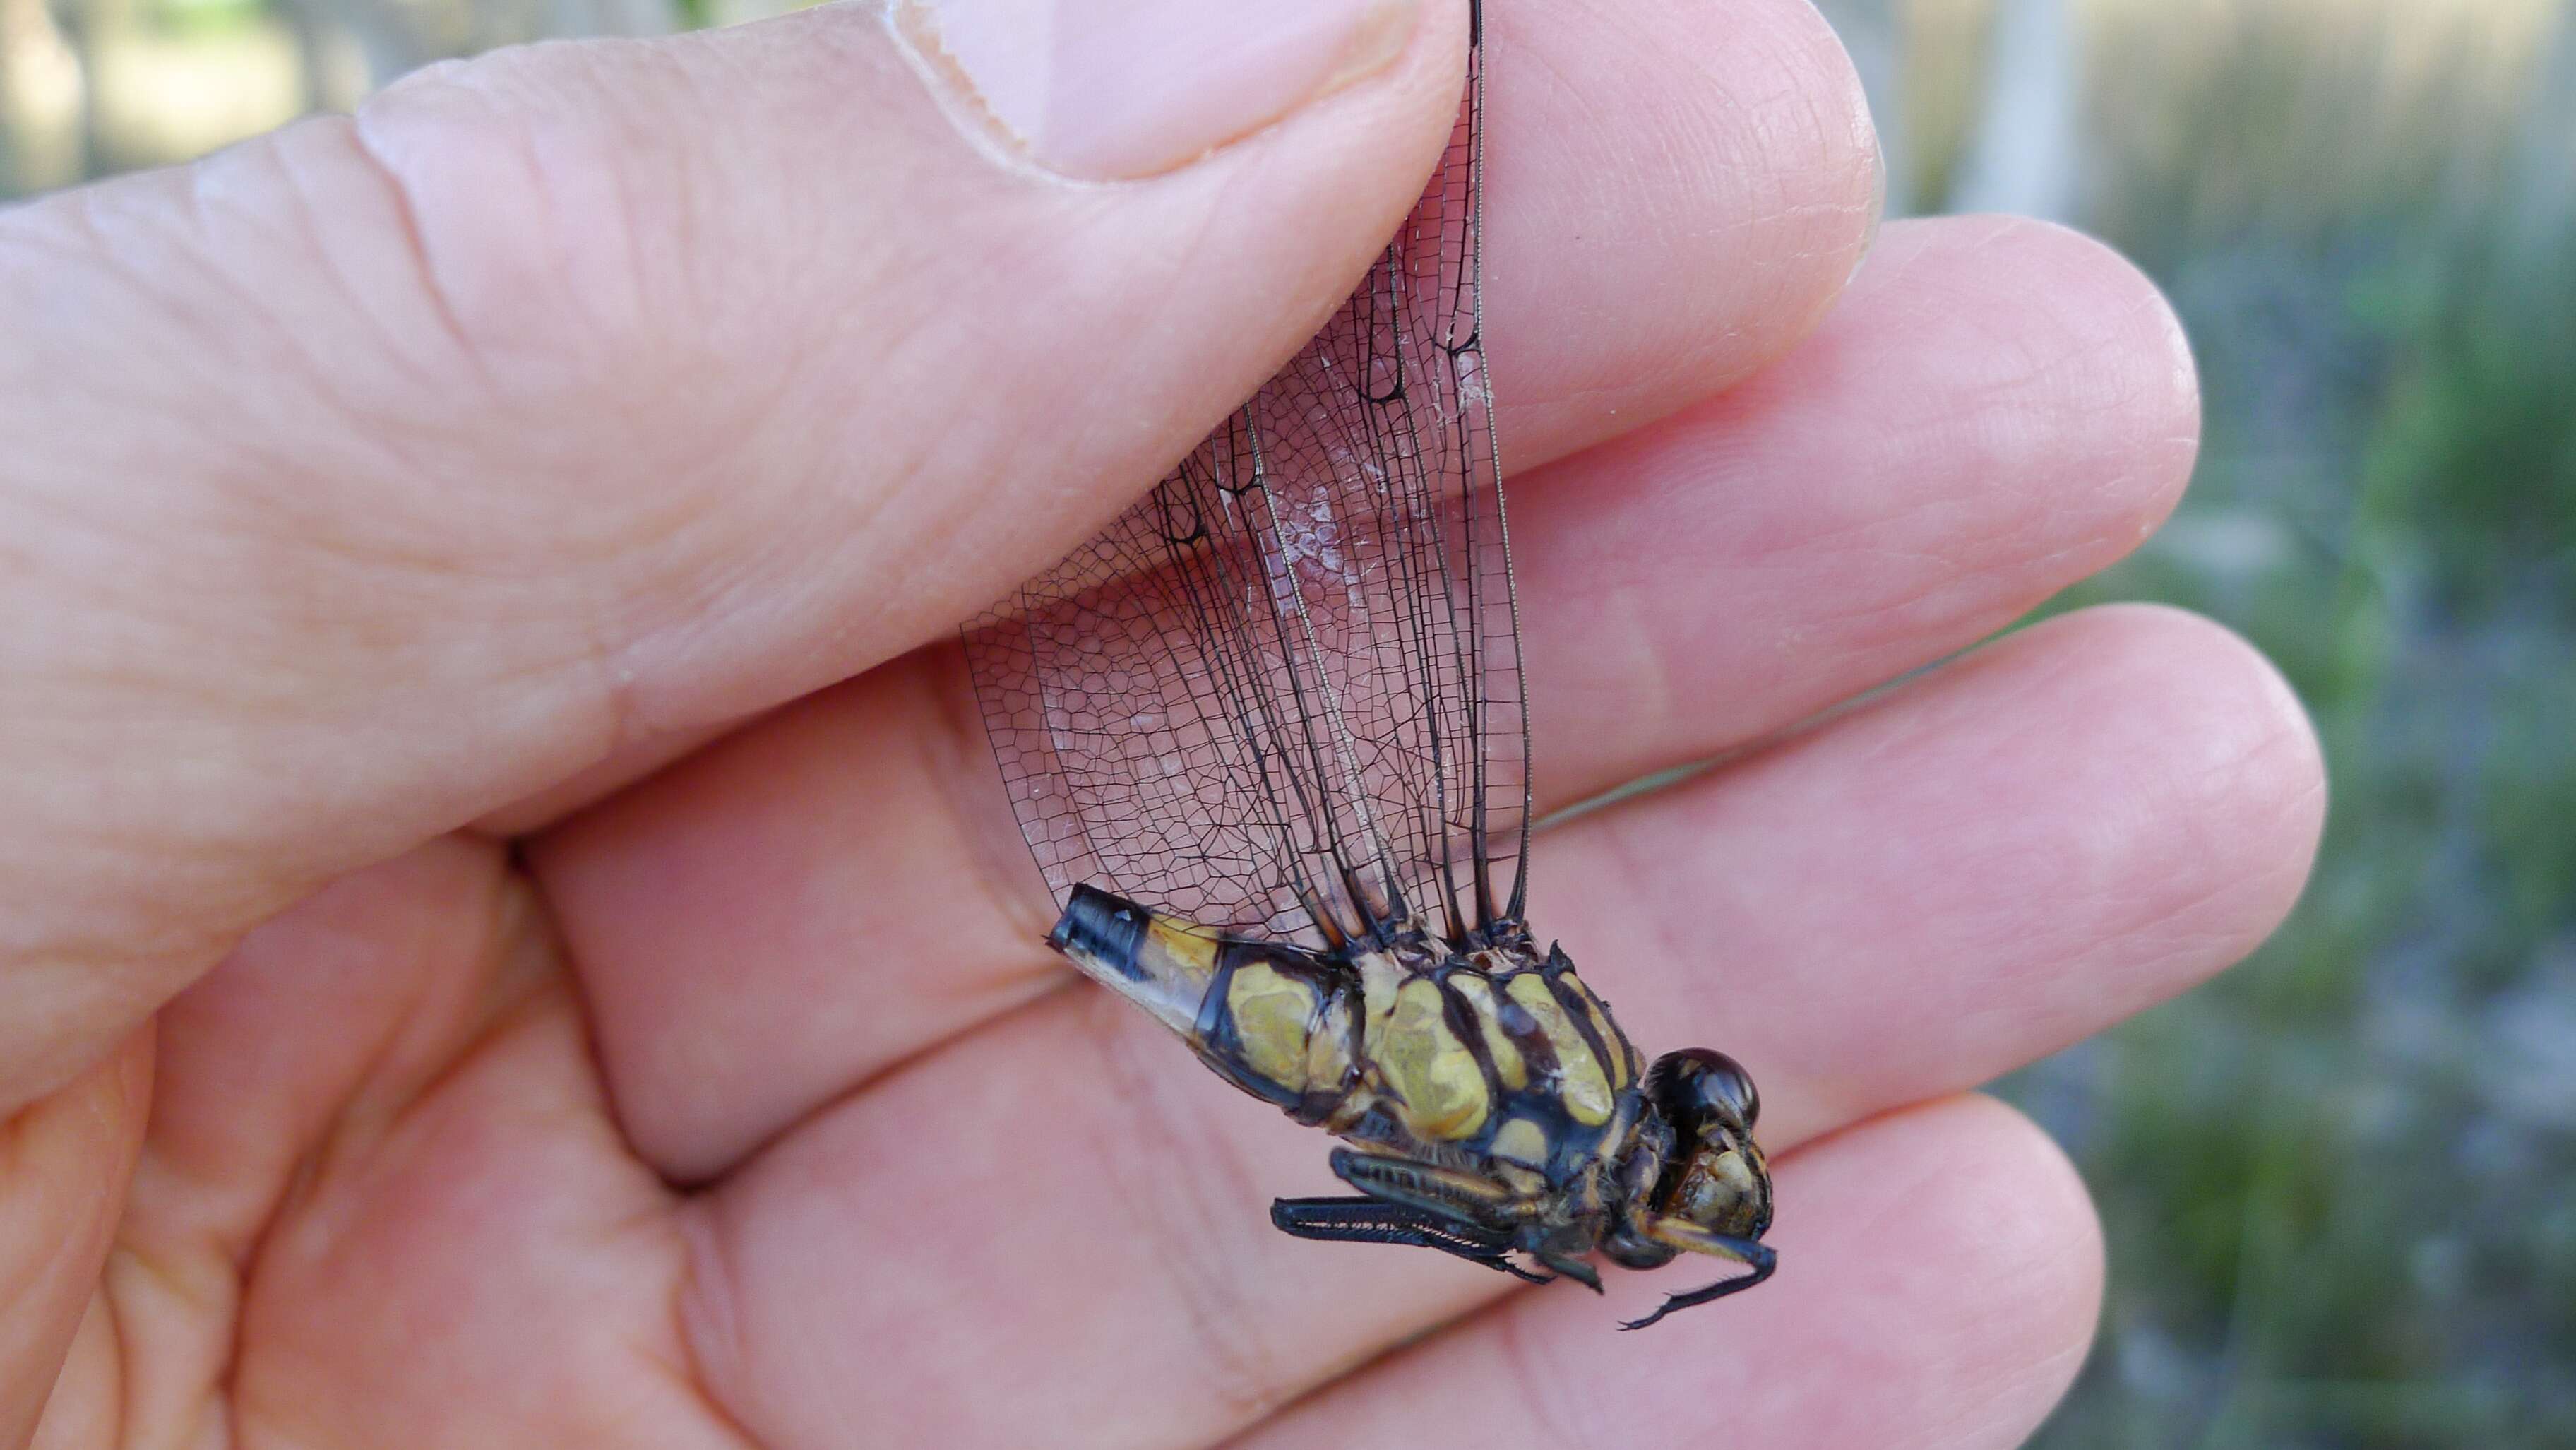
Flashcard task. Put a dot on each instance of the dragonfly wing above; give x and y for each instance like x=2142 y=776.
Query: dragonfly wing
x=1282 y=693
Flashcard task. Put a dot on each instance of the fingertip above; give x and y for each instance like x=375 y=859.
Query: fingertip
x=1849 y=156
x=1709 y=225
x=2200 y=778
x=2232 y=765
x=2108 y=414
x=2036 y=1236
x=1959 y=1242
x=2126 y=363
x=1820 y=158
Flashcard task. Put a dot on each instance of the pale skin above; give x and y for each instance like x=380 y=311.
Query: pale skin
x=512 y=937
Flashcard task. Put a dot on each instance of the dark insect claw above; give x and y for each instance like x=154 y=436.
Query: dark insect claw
x=1709 y=1293
x=1671 y=1302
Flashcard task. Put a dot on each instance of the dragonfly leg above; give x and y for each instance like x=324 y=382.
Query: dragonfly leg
x=1758 y=1257
x=1491 y=1206
x=1575 y=1269
x=1372 y=1221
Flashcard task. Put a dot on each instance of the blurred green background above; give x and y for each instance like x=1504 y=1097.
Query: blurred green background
x=2340 y=1183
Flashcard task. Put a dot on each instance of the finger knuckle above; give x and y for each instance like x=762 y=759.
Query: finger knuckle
x=530 y=212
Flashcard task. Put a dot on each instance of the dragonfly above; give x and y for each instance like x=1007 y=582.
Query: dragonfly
x=1267 y=736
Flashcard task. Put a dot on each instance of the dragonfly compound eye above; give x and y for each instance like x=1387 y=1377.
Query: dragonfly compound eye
x=1698 y=1085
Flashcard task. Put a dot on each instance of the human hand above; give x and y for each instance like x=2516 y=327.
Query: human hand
x=433 y=541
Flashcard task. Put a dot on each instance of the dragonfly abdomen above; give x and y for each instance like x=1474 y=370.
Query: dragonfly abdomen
x=1495 y=1054
x=1280 y=1023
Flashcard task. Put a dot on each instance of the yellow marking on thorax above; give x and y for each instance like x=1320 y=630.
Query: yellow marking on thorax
x=1581 y=1083
x=1521 y=1141
x=1621 y=1071
x=1274 y=1020
x=1428 y=1067
x=1379 y=978
x=1508 y=1065
x=1328 y=1048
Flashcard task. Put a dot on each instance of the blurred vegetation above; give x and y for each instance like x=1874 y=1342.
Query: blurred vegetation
x=89 y=87
x=2337 y=1181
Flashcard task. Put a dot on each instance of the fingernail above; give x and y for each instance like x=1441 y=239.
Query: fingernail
x=1113 y=89
x=1877 y=203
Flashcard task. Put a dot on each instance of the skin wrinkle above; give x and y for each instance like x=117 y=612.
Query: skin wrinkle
x=1952 y=582
x=86 y=1389
x=123 y=1390
x=565 y=157
x=506 y=161
x=104 y=244
x=725 y=1222
x=201 y=204
x=375 y=1111
x=1048 y=976
x=1237 y=1367
x=2004 y=1419
x=946 y=753
x=395 y=339
x=705 y=1325
x=2285 y=731
x=373 y=1104
x=2225 y=778
x=264 y=511
x=288 y=158
x=628 y=220
x=274 y=495
x=2043 y=1380
x=209 y=1322
x=533 y=1001
x=55 y=1154
x=360 y=135
x=962 y=1341
x=1655 y=673
x=2028 y=524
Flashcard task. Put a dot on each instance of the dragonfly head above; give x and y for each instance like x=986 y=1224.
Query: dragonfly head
x=1713 y=1176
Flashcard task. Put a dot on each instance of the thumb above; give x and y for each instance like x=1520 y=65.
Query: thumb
x=387 y=469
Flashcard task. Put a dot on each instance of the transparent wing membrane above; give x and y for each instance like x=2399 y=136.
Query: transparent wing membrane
x=1282 y=693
